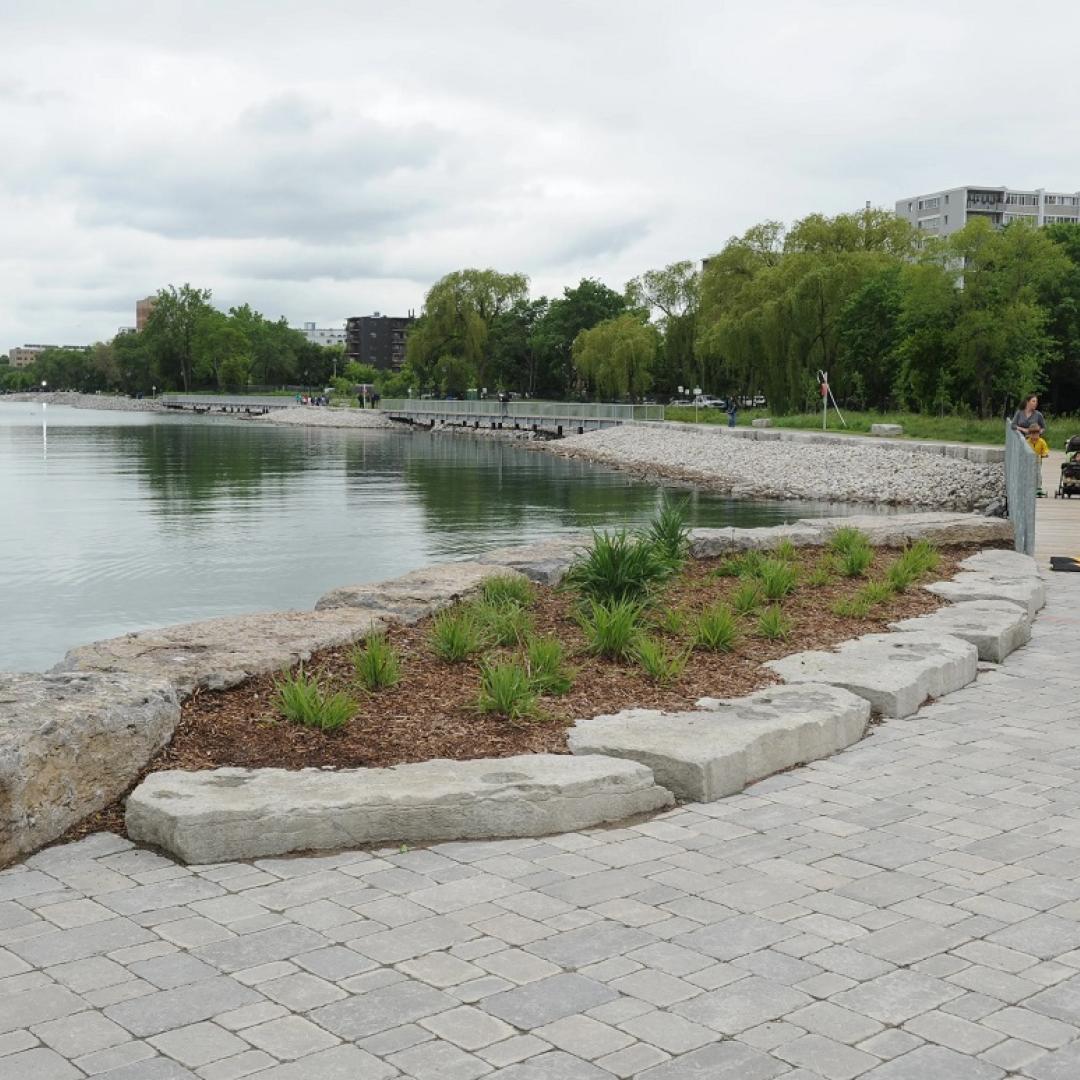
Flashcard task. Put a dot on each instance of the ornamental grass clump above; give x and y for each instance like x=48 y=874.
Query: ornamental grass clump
x=611 y=629
x=506 y=589
x=617 y=567
x=505 y=688
x=503 y=624
x=376 y=664
x=820 y=575
x=661 y=664
x=672 y=621
x=545 y=661
x=874 y=593
x=912 y=563
x=746 y=599
x=302 y=700
x=778 y=578
x=773 y=624
x=669 y=534
x=716 y=629
x=847 y=537
x=456 y=635
x=786 y=550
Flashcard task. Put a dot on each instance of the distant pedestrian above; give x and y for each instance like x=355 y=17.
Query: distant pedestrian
x=1028 y=416
x=732 y=410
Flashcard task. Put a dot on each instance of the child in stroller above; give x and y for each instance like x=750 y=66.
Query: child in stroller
x=1069 y=484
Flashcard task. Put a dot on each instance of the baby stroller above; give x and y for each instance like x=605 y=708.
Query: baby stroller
x=1069 y=485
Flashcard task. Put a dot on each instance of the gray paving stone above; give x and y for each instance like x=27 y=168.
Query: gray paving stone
x=246 y=951
x=83 y=1033
x=39 y=1064
x=826 y=1058
x=898 y=996
x=83 y=941
x=198 y=1044
x=437 y=1060
x=935 y=1063
x=167 y=1009
x=727 y=1060
x=289 y=1037
x=467 y=1027
x=337 y=1063
x=382 y=1008
x=538 y=1003
x=554 y=1065
x=591 y=943
x=1063 y=1064
x=37 y=1005
x=743 y=1004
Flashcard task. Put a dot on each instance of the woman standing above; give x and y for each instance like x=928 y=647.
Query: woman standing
x=1028 y=416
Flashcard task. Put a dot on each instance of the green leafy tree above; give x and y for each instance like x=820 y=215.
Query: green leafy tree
x=615 y=358
x=173 y=328
x=515 y=355
x=673 y=294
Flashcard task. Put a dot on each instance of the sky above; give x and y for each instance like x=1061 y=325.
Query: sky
x=335 y=157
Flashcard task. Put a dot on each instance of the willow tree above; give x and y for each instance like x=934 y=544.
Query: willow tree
x=456 y=319
x=673 y=295
x=615 y=358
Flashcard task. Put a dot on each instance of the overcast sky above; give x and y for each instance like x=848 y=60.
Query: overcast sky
x=325 y=159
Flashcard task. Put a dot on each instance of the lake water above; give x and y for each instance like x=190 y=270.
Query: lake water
x=112 y=521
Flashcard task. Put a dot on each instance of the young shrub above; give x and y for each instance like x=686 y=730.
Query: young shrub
x=301 y=700
x=900 y=575
x=506 y=689
x=918 y=559
x=774 y=624
x=660 y=664
x=612 y=629
x=503 y=624
x=716 y=629
x=786 y=550
x=923 y=555
x=777 y=579
x=508 y=589
x=855 y=560
x=619 y=567
x=456 y=635
x=874 y=593
x=747 y=597
x=376 y=664
x=846 y=538
x=545 y=660
x=668 y=533
x=851 y=608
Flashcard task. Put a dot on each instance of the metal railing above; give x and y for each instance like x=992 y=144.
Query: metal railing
x=215 y=401
x=523 y=410
x=1021 y=486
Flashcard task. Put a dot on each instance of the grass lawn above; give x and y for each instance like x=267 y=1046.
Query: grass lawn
x=962 y=429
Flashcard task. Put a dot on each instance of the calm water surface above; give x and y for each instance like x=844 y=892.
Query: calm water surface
x=112 y=522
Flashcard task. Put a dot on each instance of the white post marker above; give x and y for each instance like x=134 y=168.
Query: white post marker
x=697 y=395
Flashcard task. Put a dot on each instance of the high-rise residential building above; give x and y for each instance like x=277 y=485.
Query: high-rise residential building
x=143 y=308
x=943 y=212
x=319 y=335
x=377 y=339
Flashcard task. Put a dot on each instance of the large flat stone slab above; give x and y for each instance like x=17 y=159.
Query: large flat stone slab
x=1028 y=593
x=545 y=562
x=219 y=653
x=896 y=530
x=417 y=594
x=1001 y=562
x=70 y=744
x=896 y=673
x=705 y=543
x=204 y=817
x=716 y=751
x=995 y=627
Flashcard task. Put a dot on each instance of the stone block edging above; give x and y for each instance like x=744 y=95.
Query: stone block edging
x=218 y=653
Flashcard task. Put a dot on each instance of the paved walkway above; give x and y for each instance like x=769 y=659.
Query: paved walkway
x=908 y=910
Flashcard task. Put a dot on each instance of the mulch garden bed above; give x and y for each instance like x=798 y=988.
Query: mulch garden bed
x=431 y=712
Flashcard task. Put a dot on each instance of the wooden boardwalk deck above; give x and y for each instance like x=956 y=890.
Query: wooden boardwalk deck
x=1057 y=521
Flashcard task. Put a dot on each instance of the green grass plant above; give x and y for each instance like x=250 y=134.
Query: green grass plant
x=376 y=664
x=716 y=629
x=729 y=567
x=847 y=537
x=660 y=663
x=786 y=550
x=874 y=593
x=855 y=561
x=851 y=607
x=820 y=575
x=456 y=635
x=750 y=563
x=611 y=629
x=747 y=597
x=778 y=578
x=619 y=566
x=672 y=621
x=669 y=534
x=545 y=661
x=503 y=624
x=508 y=589
x=506 y=689
x=773 y=624
x=301 y=699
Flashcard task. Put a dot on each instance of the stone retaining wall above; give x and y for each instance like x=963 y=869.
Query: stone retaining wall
x=73 y=740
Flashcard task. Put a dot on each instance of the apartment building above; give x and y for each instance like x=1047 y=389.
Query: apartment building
x=322 y=335
x=24 y=355
x=377 y=339
x=943 y=212
x=143 y=309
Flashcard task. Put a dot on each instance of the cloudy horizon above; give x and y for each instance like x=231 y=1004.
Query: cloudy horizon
x=329 y=159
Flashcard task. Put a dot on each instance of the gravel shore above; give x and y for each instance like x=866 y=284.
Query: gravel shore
x=319 y=416
x=74 y=400
x=784 y=470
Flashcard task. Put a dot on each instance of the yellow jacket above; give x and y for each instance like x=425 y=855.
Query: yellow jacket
x=1039 y=446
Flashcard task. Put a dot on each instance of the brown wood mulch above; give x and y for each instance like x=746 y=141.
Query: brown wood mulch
x=430 y=713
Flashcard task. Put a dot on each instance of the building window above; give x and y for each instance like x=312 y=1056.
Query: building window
x=930 y=204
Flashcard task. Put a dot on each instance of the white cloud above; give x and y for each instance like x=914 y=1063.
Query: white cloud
x=333 y=157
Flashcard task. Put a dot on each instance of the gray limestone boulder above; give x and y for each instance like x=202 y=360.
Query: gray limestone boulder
x=417 y=594
x=887 y=431
x=1028 y=593
x=995 y=627
x=1001 y=562
x=70 y=744
x=896 y=673
x=717 y=750
x=705 y=543
x=896 y=530
x=545 y=561
x=219 y=814
x=219 y=653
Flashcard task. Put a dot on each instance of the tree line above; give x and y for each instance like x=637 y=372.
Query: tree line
x=899 y=320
